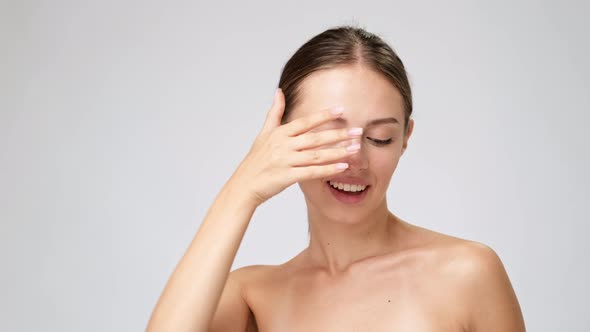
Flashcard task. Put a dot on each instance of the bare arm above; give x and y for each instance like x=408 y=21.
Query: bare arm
x=201 y=295
x=190 y=297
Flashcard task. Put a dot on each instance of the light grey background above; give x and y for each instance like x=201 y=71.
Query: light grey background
x=121 y=120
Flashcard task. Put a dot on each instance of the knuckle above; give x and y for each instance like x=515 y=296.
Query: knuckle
x=315 y=156
x=314 y=139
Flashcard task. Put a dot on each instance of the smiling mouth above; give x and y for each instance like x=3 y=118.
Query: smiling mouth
x=353 y=190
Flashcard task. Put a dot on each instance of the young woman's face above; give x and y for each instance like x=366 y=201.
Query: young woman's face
x=366 y=96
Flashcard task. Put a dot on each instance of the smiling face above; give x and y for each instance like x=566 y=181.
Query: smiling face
x=372 y=102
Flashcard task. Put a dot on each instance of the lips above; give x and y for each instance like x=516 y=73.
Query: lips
x=348 y=197
x=349 y=180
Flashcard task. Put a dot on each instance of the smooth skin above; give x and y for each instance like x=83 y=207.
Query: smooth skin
x=365 y=269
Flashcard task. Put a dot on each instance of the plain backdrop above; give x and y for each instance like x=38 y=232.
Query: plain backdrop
x=121 y=120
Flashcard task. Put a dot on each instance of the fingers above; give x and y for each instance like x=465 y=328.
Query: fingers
x=313 y=172
x=312 y=140
x=316 y=157
x=304 y=124
x=275 y=113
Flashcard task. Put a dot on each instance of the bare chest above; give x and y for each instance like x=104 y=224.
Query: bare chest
x=361 y=303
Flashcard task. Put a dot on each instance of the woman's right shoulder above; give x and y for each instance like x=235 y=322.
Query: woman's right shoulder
x=249 y=271
x=259 y=271
x=265 y=278
x=247 y=275
x=265 y=275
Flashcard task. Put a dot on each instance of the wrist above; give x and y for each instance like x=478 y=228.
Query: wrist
x=238 y=195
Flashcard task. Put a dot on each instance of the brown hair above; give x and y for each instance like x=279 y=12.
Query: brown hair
x=343 y=45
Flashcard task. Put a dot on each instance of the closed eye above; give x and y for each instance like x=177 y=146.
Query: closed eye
x=381 y=141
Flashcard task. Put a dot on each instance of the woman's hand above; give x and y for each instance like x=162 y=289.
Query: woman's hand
x=281 y=155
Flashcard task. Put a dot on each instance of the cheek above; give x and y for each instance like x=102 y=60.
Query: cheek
x=384 y=162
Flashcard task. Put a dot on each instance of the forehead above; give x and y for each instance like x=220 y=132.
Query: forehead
x=364 y=93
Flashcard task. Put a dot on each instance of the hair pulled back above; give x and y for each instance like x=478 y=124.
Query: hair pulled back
x=344 y=45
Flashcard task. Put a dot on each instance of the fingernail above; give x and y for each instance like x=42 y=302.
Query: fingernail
x=355 y=131
x=342 y=166
x=353 y=147
x=337 y=110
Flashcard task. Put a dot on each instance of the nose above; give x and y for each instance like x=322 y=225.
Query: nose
x=359 y=160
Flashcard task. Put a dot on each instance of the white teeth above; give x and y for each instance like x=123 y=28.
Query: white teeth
x=348 y=187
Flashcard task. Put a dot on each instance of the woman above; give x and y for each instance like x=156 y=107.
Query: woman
x=338 y=126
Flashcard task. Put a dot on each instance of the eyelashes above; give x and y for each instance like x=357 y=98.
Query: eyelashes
x=380 y=142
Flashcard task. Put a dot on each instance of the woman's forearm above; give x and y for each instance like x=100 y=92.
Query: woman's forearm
x=192 y=293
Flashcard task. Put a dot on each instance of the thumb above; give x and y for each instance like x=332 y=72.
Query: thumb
x=276 y=111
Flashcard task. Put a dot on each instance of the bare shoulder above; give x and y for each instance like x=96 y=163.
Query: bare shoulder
x=460 y=257
x=248 y=271
x=254 y=279
x=249 y=274
x=478 y=278
x=464 y=262
x=471 y=260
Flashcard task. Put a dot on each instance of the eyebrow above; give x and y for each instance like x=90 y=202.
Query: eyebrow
x=374 y=122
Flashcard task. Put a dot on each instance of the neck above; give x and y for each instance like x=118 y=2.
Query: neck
x=335 y=245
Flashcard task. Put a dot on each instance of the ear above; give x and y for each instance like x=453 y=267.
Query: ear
x=408 y=134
